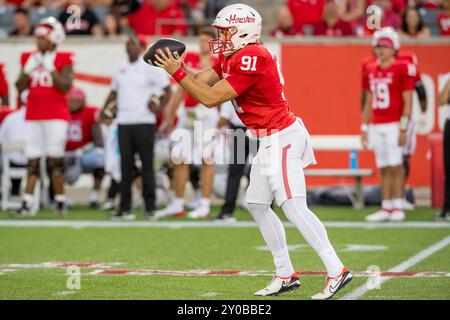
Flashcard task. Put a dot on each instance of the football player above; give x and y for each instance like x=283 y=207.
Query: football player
x=47 y=74
x=249 y=75
x=388 y=83
x=410 y=145
x=192 y=153
x=84 y=143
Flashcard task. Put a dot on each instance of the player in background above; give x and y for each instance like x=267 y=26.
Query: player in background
x=389 y=84
x=249 y=75
x=4 y=90
x=192 y=154
x=84 y=143
x=47 y=73
x=419 y=87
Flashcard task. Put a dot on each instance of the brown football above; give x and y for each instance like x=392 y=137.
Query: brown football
x=176 y=47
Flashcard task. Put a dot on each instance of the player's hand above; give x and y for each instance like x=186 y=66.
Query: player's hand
x=166 y=60
x=364 y=140
x=166 y=126
x=402 y=138
x=49 y=61
x=34 y=61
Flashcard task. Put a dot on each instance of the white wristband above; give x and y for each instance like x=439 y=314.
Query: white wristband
x=404 y=122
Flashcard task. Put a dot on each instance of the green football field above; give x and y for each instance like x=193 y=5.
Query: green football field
x=184 y=259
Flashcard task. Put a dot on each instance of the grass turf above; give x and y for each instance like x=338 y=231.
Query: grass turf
x=208 y=249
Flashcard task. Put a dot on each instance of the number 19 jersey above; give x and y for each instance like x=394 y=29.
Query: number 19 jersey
x=387 y=87
x=254 y=74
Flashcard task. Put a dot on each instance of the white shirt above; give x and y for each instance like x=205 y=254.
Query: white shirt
x=11 y=131
x=135 y=83
x=228 y=112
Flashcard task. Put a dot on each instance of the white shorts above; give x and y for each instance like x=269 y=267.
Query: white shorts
x=45 y=138
x=277 y=169
x=383 y=140
x=194 y=142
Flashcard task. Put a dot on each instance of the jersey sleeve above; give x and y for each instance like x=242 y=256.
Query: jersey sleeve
x=24 y=57
x=114 y=80
x=409 y=73
x=246 y=70
x=64 y=59
x=159 y=76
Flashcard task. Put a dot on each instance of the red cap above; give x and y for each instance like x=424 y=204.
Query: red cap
x=385 y=42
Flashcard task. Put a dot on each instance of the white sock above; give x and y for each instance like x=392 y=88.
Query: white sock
x=273 y=233
x=197 y=195
x=93 y=197
x=28 y=198
x=205 y=203
x=178 y=203
x=387 y=205
x=297 y=211
x=398 y=204
x=60 y=198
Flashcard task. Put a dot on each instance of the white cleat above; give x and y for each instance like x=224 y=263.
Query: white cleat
x=200 y=212
x=333 y=285
x=378 y=216
x=279 y=285
x=397 y=216
x=170 y=211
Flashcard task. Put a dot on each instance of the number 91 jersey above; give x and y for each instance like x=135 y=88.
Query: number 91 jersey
x=387 y=87
x=254 y=74
x=45 y=101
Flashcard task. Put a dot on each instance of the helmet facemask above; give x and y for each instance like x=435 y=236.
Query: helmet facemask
x=223 y=43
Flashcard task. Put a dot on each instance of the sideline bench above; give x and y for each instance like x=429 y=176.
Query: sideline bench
x=341 y=143
x=357 y=174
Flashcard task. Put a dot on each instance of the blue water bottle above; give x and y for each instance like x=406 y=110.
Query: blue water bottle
x=353 y=159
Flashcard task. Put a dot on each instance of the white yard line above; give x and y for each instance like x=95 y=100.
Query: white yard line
x=79 y=224
x=405 y=265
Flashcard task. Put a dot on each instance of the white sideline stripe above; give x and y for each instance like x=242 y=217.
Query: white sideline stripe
x=79 y=224
x=422 y=255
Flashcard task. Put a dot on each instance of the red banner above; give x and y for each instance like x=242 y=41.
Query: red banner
x=323 y=87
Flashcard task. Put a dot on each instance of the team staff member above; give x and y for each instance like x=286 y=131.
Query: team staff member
x=139 y=91
x=444 y=100
x=47 y=73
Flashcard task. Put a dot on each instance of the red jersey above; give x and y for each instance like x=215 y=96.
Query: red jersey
x=3 y=82
x=254 y=74
x=387 y=87
x=402 y=56
x=192 y=60
x=45 y=101
x=444 y=23
x=306 y=11
x=146 y=20
x=80 y=127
